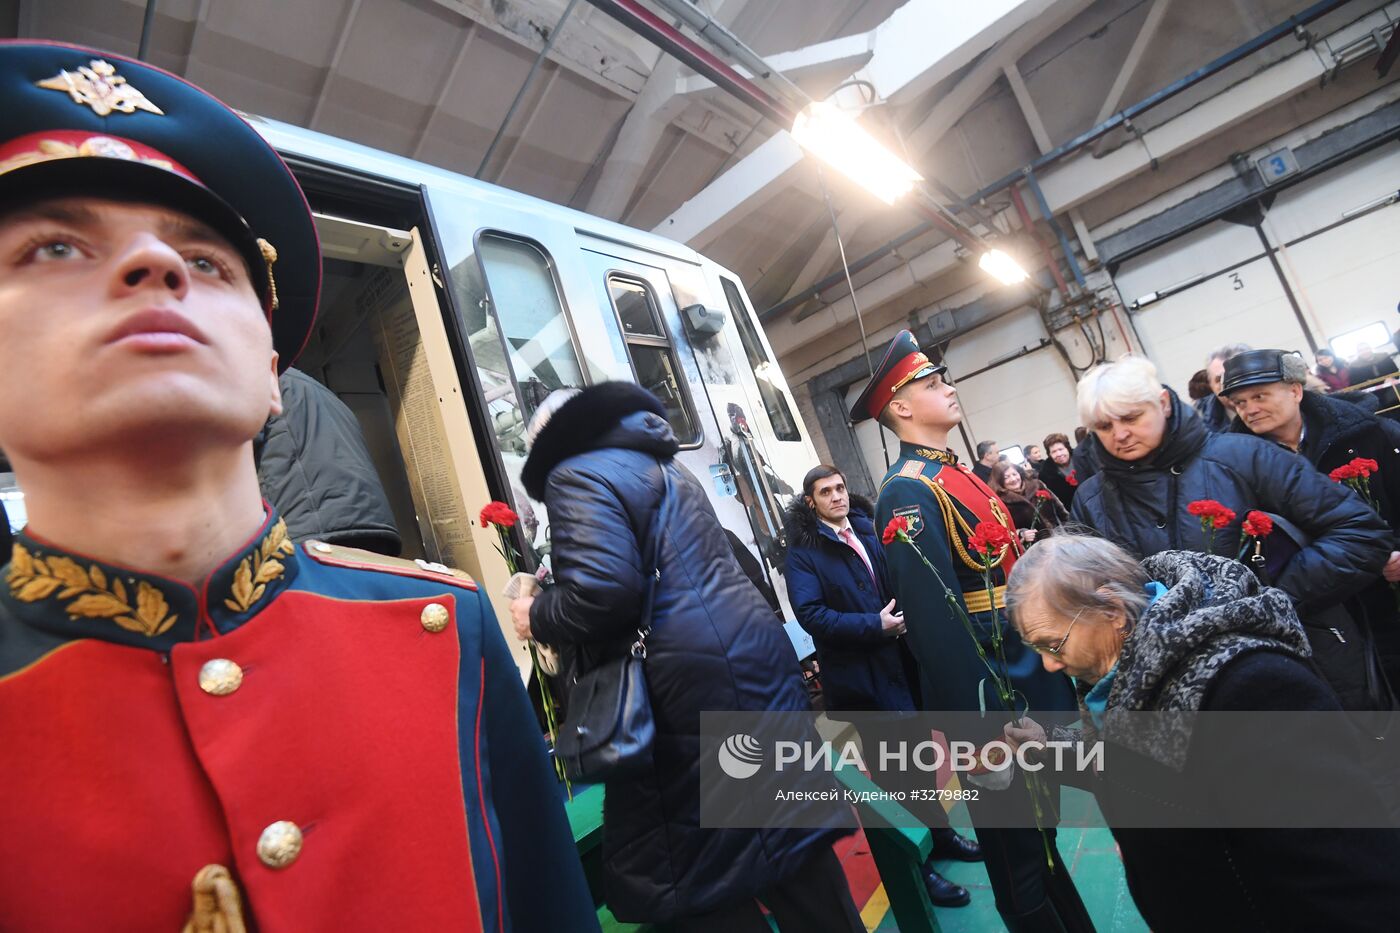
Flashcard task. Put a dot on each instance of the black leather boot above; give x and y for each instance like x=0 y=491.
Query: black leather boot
x=942 y=892
x=948 y=844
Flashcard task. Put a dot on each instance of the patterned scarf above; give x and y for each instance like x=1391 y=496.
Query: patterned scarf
x=1213 y=611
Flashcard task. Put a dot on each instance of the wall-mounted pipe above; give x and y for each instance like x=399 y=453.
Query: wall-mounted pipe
x=673 y=42
x=1266 y=38
x=1065 y=246
x=1050 y=263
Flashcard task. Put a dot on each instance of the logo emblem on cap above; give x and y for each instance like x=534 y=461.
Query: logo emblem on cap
x=97 y=85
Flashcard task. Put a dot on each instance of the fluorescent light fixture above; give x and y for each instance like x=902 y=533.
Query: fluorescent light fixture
x=833 y=136
x=1369 y=206
x=1002 y=267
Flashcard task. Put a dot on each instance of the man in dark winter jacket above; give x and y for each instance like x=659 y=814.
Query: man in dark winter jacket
x=1266 y=387
x=1158 y=458
x=603 y=463
x=313 y=465
x=836 y=580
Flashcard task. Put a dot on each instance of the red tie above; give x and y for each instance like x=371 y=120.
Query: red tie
x=849 y=537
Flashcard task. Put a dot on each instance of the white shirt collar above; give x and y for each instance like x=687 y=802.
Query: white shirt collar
x=838 y=528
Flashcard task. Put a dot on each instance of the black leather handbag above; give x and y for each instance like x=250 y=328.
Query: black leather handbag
x=609 y=730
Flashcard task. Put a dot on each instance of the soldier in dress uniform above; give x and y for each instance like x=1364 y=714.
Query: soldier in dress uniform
x=943 y=502
x=205 y=723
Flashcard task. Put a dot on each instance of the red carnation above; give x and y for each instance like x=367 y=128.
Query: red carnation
x=988 y=537
x=500 y=514
x=1346 y=471
x=897 y=526
x=1258 y=525
x=1364 y=467
x=1211 y=513
x=1042 y=494
x=1072 y=479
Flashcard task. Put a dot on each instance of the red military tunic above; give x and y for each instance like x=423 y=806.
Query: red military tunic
x=325 y=730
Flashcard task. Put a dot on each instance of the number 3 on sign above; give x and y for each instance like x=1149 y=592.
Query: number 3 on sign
x=1236 y=282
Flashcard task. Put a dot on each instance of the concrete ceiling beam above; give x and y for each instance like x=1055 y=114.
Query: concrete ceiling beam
x=605 y=52
x=839 y=58
x=1082 y=177
x=752 y=182
x=1146 y=33
x=657 y=106
x=951 y=107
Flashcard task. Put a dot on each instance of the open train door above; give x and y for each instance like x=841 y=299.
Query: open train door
x=381 y=313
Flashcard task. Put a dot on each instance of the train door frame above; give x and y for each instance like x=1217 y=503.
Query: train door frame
x=477 y=469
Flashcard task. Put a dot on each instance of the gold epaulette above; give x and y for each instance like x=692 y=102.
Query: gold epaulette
x=336 y=555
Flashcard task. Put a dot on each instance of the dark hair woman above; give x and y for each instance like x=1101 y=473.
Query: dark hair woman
x=1035 y=509
x=1056 y=470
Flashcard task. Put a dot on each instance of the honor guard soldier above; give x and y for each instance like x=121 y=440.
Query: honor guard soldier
x=943 y=501
x=205 y=723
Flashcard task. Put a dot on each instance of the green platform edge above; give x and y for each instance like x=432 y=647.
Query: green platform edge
x=899 y=854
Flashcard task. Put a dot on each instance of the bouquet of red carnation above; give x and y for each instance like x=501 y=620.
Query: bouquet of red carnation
x=1213 y=516
x=503 y=517
x=1357 y=474
x=1072 y=479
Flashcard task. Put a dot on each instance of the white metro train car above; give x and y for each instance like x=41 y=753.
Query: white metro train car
x=452 y=307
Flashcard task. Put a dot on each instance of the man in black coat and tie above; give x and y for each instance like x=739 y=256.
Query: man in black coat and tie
x=836 y=580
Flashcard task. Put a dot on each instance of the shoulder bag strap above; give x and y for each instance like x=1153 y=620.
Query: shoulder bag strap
x=652 y=564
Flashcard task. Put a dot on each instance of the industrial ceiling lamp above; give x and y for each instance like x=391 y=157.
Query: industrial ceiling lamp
x=830 y=134
x=1002 y=267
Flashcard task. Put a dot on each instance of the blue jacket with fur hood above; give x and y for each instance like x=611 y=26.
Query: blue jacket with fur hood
x=714 y=645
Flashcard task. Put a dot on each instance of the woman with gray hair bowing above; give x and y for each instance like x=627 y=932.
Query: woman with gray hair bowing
x=1157 y=459
x=1159 y=652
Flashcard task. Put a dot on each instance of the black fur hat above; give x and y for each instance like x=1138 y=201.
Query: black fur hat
x=579 y=423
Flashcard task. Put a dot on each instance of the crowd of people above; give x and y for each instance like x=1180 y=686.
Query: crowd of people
x=319 y=737
x=1239 y=555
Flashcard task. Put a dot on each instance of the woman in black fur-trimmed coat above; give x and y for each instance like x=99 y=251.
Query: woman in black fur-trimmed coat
x=714 y=645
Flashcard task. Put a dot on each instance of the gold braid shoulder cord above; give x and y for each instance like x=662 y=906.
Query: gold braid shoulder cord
x=954 y=522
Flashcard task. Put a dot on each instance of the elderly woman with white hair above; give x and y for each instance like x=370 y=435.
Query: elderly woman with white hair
x=1157 y=458
x=1206 y=809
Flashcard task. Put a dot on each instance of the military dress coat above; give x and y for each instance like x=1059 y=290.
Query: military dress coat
x=345 y=733
x=943 y=502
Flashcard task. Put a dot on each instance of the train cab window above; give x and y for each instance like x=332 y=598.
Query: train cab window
x=529 y=314
x=653 y=357
x=779 y=412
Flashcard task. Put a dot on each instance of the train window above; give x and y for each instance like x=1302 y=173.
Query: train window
x=529 y=315
x=653 y=358
x=779 y=412
x=634 y=308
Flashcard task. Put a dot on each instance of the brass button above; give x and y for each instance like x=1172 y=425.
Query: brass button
x=434 y=617
x=220 y=677
x=280 y=844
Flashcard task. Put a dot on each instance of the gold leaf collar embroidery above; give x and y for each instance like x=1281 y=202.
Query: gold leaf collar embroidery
x=93 y=596
x=260 y=568
x=938 y=456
